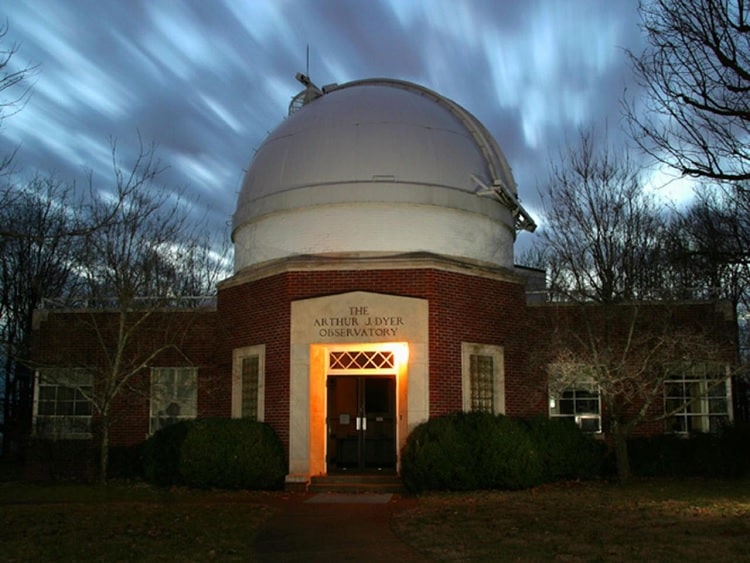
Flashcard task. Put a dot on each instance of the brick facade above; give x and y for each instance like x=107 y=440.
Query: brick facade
x=463 y=308
x=469 y=305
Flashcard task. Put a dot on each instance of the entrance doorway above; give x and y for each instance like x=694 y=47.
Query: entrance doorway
x=361 y=423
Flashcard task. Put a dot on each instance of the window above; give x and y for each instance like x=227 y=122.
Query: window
x=580 y=403
x=483 y=381
x=356 y=360
x=62 y=405
x=248 y=382
x=700 y=395
x=250 y=372
x=174 y=396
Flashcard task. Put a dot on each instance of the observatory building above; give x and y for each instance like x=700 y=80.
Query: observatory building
x=374 y=284
x=374 y=288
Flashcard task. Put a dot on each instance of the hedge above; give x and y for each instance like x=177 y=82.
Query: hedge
x=466 y=451
x=220 y=453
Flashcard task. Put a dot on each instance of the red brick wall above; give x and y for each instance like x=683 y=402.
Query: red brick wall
x=708 y=328
x=462 y=308
x=69 y=339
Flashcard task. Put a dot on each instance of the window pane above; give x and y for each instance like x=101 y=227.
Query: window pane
x=174 y=396
x=719 y=390
x=717 y=406
x=673 y=389
x=587 y=406
x=586 y=392
x=482 y=383
x=65 y=408
x=694 y=389
x=46 y=408
x=580 y=403
x=566 y=406
x=47 y=393
x=83 y=408
x=250 y=373
x=674 y=405
x=65 y=394
x=62 y=409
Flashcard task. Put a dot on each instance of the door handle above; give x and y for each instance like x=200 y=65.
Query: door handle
x=361 y=423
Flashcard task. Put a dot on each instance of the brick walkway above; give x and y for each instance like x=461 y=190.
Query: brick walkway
x=335 y=527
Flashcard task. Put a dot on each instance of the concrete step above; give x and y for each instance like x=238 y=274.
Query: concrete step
x=365 y=483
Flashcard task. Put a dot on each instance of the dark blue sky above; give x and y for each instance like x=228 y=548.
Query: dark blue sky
x=207 y=80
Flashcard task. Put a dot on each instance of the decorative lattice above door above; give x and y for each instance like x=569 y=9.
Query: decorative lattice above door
x=361 y=360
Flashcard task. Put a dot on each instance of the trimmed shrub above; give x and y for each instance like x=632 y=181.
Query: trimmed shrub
x=466 y=451
x=438 y=456
x=161 y=454
x=125 y=462
x=222 y=453
x=60 y=460
x=509 y=458
x=566 y=452
x=735 y=453
x=232 y=454
x=724 y=454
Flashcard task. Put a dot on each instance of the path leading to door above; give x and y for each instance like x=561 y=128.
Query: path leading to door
x=335 y=527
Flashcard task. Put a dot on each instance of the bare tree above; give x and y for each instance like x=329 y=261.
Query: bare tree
x=145 y=252
x=708 y=245
x=630 y=352
x=696 y=74
x=31 y=268
x=708 y=253
x=13 y=86
x=605 y=239
x=602 y=232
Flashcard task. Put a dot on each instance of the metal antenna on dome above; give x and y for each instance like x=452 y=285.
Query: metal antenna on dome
x=311 y=91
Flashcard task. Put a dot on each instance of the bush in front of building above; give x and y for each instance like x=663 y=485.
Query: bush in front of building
x=232 y=454
x=719 y=455
x=125 y=462
x=220 y=453
x=60 y=460
x=566 y=451
x=469 y=451
x=161 y=455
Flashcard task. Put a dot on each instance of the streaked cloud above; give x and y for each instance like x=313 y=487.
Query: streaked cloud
x=207 y=81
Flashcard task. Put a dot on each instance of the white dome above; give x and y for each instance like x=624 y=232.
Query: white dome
x=376 y=166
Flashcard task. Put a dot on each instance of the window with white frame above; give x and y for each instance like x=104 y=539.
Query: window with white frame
x=483 y=378
x=248 y=382
x=62 y=403
x=174 y=396
x=700 y=397
x=579 y=402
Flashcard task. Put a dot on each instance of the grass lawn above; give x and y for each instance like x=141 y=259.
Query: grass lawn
x=127 y=523
x=654 y=520
x=658 y=520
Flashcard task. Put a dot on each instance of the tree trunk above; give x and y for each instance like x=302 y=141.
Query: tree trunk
x=622 y=461
x=104 y=449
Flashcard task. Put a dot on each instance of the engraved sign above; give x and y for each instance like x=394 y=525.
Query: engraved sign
x=359 y=323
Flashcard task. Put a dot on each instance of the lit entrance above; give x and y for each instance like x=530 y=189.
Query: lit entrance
x=361 y=413
x=361 y=423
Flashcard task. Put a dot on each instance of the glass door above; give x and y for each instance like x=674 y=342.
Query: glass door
x=361 y=423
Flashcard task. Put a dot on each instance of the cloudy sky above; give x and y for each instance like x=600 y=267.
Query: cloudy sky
x=206 y=80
